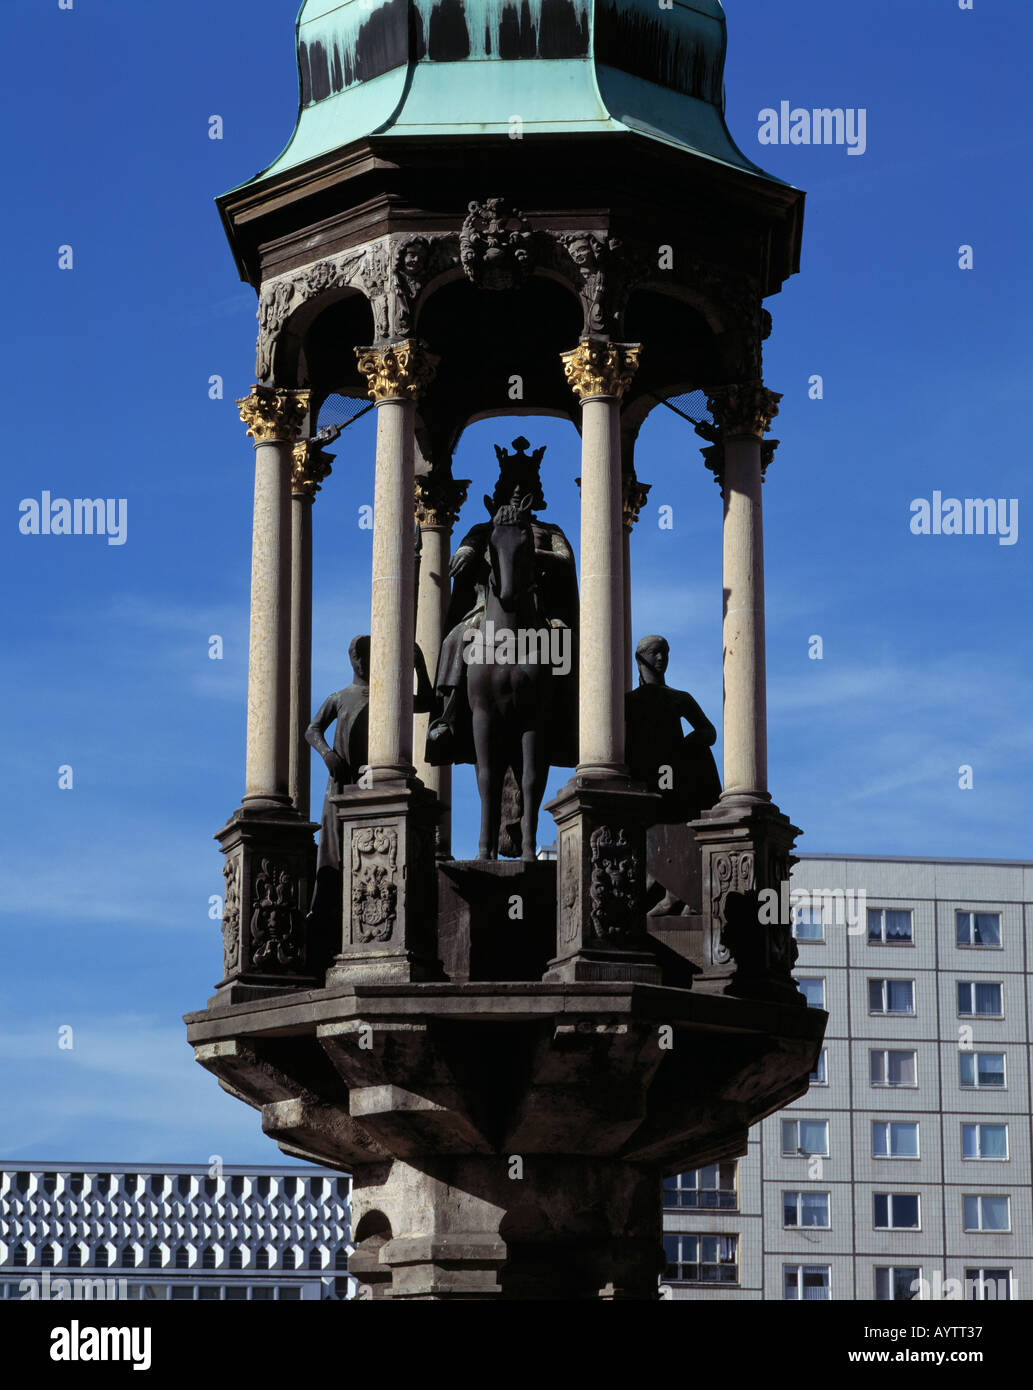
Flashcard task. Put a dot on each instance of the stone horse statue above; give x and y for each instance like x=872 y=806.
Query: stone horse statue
x=506 y=679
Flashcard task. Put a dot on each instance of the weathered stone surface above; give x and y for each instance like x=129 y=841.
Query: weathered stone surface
x=496 y=918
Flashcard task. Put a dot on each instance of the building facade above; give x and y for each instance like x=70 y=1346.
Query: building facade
x=905 y=1171
x=171 y=1232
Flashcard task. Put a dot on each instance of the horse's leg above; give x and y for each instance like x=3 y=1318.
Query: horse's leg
x=482 y=741
x=535 y=774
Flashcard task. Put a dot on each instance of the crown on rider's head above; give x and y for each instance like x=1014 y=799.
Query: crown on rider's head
x=519 y=475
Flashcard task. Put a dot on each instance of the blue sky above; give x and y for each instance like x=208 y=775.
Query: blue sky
x=926 y=374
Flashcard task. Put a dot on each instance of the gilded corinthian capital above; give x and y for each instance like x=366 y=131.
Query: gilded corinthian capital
x=398 y=371
x=600 y=369
x=438 y=500
x=272 y=414
x=744 y=409
x=310 y=467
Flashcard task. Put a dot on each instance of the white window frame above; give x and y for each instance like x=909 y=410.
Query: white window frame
x=971 y=985
x=888 y=1126
x=811 y=909
x=890 y=1196
x=882 y=940
x=885 y=1053
x=798 y=1273
x=981 y=1229
x=799 y=1225
x=822 y=1067
x=976 y=1084
x=795 y=1152
x=977 y=1275
x=814 y=979
x=980 y=1125
x=885 y=1012
x=971 y=945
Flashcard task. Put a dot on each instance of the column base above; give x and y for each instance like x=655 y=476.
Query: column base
x=601 y=874
x=389 y=885
x=746 y=847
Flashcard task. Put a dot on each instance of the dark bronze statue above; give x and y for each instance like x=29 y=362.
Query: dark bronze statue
x=679 y=766
x=346 y=763
x=507 y=674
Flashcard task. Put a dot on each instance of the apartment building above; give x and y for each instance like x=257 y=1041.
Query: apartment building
x=905 y=1171
x=172 y=1232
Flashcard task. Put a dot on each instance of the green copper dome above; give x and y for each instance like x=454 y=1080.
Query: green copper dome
x=512 y=67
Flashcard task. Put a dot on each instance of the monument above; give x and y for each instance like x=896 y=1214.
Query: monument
x=473 y=204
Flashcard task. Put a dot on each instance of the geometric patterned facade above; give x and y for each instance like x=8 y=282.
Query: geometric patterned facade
x=907 y=1165
x=163 y=1231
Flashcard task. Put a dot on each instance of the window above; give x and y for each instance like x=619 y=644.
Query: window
x=981 y=1070
x=820 y=1074
x=984 y=1141
x=315 y=1259
x=264 y=1187
x=129 y=1257
x=77 y=1182
x=892 y=1068
x=293 y=1293
x=237 y=1186
x=890 y=926
x=808 y=924
x=702 y=1259
x=895 y=1211
x=813 y=990
x=894 y=1139
x=211 y=1186
x=809 y=1283
x=978 y=928
x=208 y=1257
x=183 y=1183
x=262 y=1294
x=897 y=1283
x=49 y=1183
x=341 y=1257
x=804 y=1138
x=805 y=1209
x=101 y=1183
x=101 y=1257
x=712 y=1188
x=290 y=1260
x=987 y=1212
x=262 y=1259
x=891 y=996
x=182 y=1258
x=988 y=1284
x=46 y=1257
x=22 y=1181
x=21 y=1257
x=75 y=1257
x=154 y=1257
x=236 y=1260
x=980 y=999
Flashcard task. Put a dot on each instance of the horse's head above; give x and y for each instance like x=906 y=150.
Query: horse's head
x=512 y=552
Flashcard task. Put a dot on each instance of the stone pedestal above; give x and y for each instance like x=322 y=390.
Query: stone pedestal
x=746 y=848
x=269 y=870
x=600 y=910
x=508 y=1141
x=496 y=918
x=389 y=885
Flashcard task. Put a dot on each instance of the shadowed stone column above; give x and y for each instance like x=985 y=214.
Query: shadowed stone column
x=397 y=374
x=274 y=419
x=438 y=501
x=743 y=415
x=745 y=841
x=599 y=374
x=311 y=466
x=634 y=496
x=601 y=814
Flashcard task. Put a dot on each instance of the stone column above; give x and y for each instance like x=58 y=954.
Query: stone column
x=599 y=374
x=438 y=500
x=634 y=495
x=396 y=374
x=311 y=467
x=274 y=419
x=600 y=814
x=745 y=841
x=743 y=414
